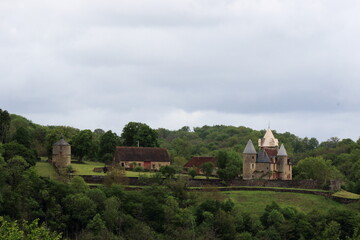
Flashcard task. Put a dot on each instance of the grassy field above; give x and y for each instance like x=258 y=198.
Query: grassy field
x=87 y=167
x=345 y=194
x=256 y=201
x=257 y=187
x=45 y=169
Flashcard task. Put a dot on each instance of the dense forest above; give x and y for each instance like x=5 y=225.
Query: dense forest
x=32 y=207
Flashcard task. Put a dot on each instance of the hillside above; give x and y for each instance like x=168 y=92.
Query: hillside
x=184 y=143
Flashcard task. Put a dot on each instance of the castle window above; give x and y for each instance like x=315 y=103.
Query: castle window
x=253 y=157
x=252 y=166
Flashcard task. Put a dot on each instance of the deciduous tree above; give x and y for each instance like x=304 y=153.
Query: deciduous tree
x=108 y=143
x=207 y=168
x=81 y=144
x=135 y=133
x=4 y=125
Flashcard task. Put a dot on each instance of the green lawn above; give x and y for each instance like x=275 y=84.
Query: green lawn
x=86 y=168
x=256 y=201
x=45 y=169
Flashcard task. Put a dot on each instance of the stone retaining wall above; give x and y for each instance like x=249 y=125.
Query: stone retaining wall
x=303 y=184
x=256 y=185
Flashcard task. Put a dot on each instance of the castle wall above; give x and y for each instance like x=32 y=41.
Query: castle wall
x=263 y=171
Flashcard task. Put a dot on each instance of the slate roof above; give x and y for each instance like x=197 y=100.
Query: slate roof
x=143 y=154
x=198 y=161
x=61 y=142
x=249 y=149
x=262 y=157
x=282 y=151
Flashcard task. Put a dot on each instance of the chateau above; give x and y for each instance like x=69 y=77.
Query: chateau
x=270 y=162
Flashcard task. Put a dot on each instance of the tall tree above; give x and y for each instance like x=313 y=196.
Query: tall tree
x=108 y=142
x=207 y=168
x=229 y=164
x=135 y=133
x=22 y=136
x=4 y=125
x=81 y=144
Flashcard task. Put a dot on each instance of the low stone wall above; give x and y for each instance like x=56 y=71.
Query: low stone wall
x=256 y=185
x=304 y=184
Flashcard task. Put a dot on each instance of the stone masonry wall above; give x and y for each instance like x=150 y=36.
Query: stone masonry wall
x=303 y=184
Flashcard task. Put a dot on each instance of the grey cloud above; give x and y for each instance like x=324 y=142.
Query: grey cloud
x=179 y=59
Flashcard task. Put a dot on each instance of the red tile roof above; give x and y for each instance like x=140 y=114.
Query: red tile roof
x=271 y=152
x=143 y=154
x=197 y=161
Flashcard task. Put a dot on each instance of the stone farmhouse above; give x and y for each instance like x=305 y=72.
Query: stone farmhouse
x=61 y=153
x=196 y=162
x=269 y=162
x=151 y=158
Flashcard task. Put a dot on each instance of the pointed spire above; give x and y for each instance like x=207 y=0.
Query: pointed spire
x=282 y=151
x=249 y=149
x=268 y=140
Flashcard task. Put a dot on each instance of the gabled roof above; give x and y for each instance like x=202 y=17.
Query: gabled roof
x=249 y=149
x=143 y=154
x=198 y=161
x=268 y=140
x=282 y=151
x=61 y=142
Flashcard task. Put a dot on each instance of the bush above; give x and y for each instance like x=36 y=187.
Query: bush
x=138 y=169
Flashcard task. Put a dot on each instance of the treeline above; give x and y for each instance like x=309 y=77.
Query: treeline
x=331 y=159
x=163 y=212
x=339 y=159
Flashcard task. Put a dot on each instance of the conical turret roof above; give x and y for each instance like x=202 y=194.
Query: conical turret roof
x=249 y=149
x=61 y=142
x=282 y=151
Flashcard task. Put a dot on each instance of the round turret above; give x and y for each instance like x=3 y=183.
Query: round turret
x=61 y=154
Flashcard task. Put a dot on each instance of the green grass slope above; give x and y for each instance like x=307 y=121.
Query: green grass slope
x=45 y=169
x=256 y=201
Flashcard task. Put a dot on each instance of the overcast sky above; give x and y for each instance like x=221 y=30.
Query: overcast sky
x=172 y=63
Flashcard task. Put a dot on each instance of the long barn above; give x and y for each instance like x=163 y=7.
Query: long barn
x=146 y=157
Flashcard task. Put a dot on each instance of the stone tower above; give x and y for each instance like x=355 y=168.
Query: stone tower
x=249 y=161
x=61 y=155
x=284 y=168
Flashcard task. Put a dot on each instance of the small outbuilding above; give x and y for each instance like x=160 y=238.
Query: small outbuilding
x=151 y=158
x=61 y=153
